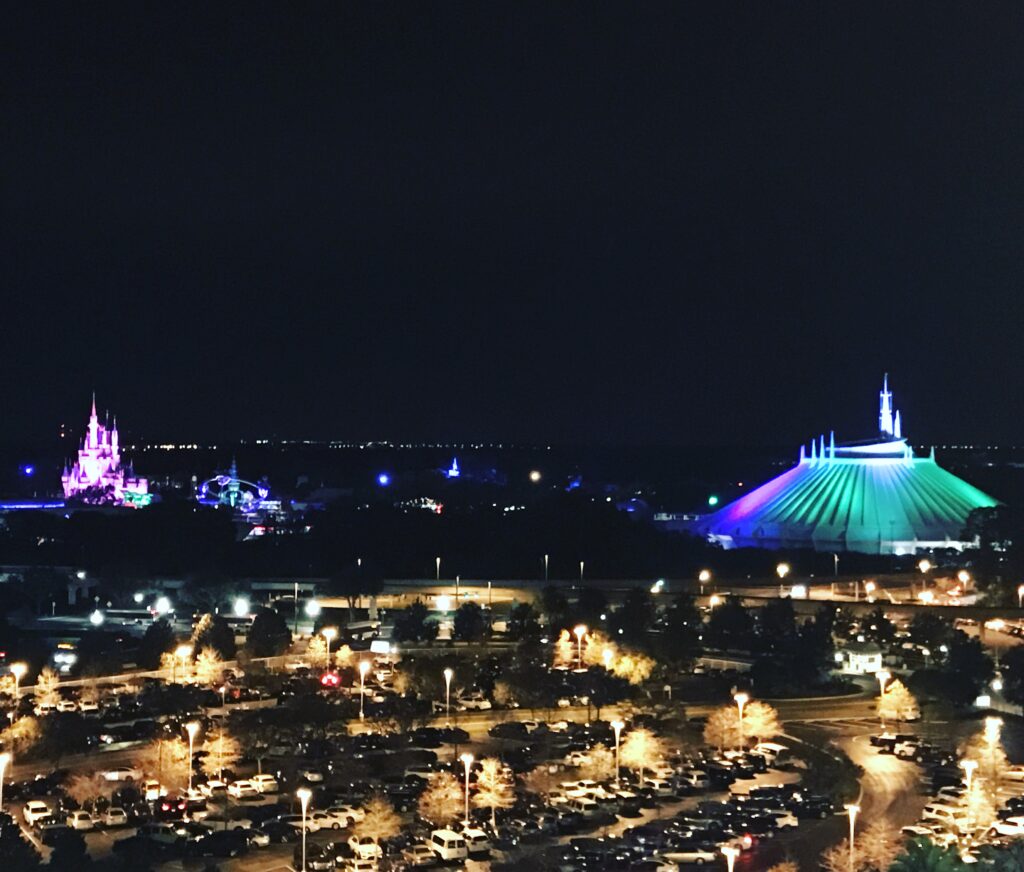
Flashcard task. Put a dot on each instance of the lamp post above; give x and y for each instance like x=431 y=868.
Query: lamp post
x=869 y=588
x=467 y=761
x=545 y=568
x=1020 y=596
x=852 y=810
x=581 y=573
x=5 y=758
x=437 y=569
x=303 y=794
x=580 y=630
x=182 y=653
x=617 y=726
x=223 y=695
x=364 y=667
x=883 y=676
x=191 y=728
x=329 y=633
x=927 y=653
x=730 y=854
x=18 y=670
x=703 y=577
x=295 y=623
x=741 y=700
x=968 y=766
x=448 y=674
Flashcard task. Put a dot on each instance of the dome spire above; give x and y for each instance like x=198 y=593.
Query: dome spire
x=885 y=408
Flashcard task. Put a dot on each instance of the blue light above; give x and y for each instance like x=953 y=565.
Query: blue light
x=28 y=470
x=383 y=479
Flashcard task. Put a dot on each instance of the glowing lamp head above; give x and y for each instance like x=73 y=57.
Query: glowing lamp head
x=924 y=565
x=963 y=576
x=705 y=576
x=303 y=794
x=18 y=670
x=580 y=630
x=741 y=699
x=364 y=667
x=191 y=728
x=444 y=602
x=329 y=633
x=927 y=597
x=617 y=725
x=535 y=475
x=714 y=600
x=449 y=673
x=383 y=479
x=467 y=759
x=96 y=618
x=782 y=570
x=28 y=469
x=997 y=684
x=241 y=607
x=138 y=597
x=713 y=500
x=869 y=586
x=162 y=605
x=312 y=608
x=183 y=651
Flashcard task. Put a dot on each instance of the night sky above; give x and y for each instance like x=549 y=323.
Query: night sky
x=554 y=222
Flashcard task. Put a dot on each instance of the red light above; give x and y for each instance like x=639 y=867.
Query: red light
x=330 y=679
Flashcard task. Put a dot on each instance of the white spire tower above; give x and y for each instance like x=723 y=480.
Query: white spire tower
x=885 y=423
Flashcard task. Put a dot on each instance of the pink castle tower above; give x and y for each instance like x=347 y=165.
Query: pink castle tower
x=98 y=476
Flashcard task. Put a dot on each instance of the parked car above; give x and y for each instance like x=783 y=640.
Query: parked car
x=35 y=810
x=365 y=848
x=123 y=773
x=242 y=789
x=419 y=855
x=448 y=845
x=115 y=817
x=264 y=783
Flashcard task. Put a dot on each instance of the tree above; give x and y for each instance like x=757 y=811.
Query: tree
x=523 y=622
x=1013 y=674
x=760 y=721
x=316 y=652
x=441 y=801
x=85 y=787
x=380 y=821
x=878 y=628
x=633 y=620
x=640 y=750
x=343 y=656
x=21 y=735
x=986 y=749
x=680 y=641
x=922 y=855
x=565 y=650
x=353 y=583
x=16 y=853
x=268 y=634
x=168 y=760
x=837 y=857
x=69 y=853
x=63 y=733
x=494 y=788
x=601 y=764
x=979 y=805
x=878 y=845
x=222 y=751
x=785 y=866
x=47 y=690
x=730 y=625
x=896 y=703
x=968 y=668
x=411 y=624
x=215 y=633
x=777 y=624
x=722 y=729
x=156 y=641
x=931 y=630
x=209 y=667
x=469 y=624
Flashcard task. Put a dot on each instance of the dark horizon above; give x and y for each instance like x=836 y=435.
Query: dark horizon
x=690 y=226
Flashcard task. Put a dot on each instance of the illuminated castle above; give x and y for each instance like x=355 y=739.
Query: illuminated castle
x=98 y=476
x=872 y=496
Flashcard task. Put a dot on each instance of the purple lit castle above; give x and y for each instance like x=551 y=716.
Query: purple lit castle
x=98 y=476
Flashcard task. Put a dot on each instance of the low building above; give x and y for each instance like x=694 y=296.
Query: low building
x=859 y=658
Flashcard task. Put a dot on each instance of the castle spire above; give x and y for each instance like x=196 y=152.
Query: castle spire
x=92 y=413
x=885 y=408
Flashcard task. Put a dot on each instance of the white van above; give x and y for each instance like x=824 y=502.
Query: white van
x=582 y=805
x=448 y=845
x=264 y=783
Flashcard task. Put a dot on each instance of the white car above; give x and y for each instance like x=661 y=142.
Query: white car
x=67 y=705
x=296 y=821
x=352 y=812
x=153 y=790
x=918 y=831
x=242 y=789
x=577 y=758
x=1013 y=826
x=694 y=854
x=474 y=702
x=264 y=783
x=418 y=855
x=212 y=789
x=115 y=817
x=259 y=839
x=1014 y=773
x=88 y=708
x=34 y=810
x=80 y=820
x=217 y=822
x=123 y=773
x=313 y=776
x=365 y=848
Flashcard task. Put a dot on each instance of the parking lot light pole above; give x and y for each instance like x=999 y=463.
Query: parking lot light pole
x=741 y=700
x=191 y=728
x=467 y=761
x=18 y=670
x=303 y=794
x=617 y=726
x=5 y=758
x=730 y=856
x=580 y=630
x=364 y=667
x=852 y=810
x=448 y=675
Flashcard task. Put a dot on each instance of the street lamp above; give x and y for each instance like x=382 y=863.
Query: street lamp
x=741 y=700
x=782 y=570
x=182 y=653
x=364 y=667
x=467 y=761
x=96 y=618
x=852 y=810
x=963 y=576
x=581 y=573
x=927 y=653
x=545 y=568
x=1020 y=596
x=191 y=728
x=437 y=569
x=580 y=630
x=993 y=726
x=869 y=587
x=329 y=633
x=714 y=600
x=925 y=566
x=18 y=670
x=313 y=608
x=448 y=674
x=730 y=854
x=5 y=758
x=617 y=726
x=241 y=607
x=223 y=695
x=606 y=657
x=303 y=794
x=703 y=577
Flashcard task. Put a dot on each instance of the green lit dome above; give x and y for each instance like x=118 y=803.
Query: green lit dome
x=874 y=497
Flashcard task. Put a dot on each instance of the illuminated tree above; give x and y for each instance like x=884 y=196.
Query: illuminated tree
x=760 y=721
x=601 y=764
x=47 y=690
x=214 y=632
x=541 y=779
x=343 y=656
x=442 y=799
x=633 y=667
x=878 y=845
x=380 y=820
x=641 y=750
x=986 y=749
x=722 y=729
x=8 y=685
x=896 y=703
x=209 y=667
x=90 y=692
x=565 y=650
x=85 y=787
x=222 y=751
x=168 y=760
x=837 y=858
x=785 y=866
x=494 y=788
x=21 y=735
x=316 y=652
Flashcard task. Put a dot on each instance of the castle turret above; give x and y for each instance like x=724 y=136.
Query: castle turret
x=885 y=408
